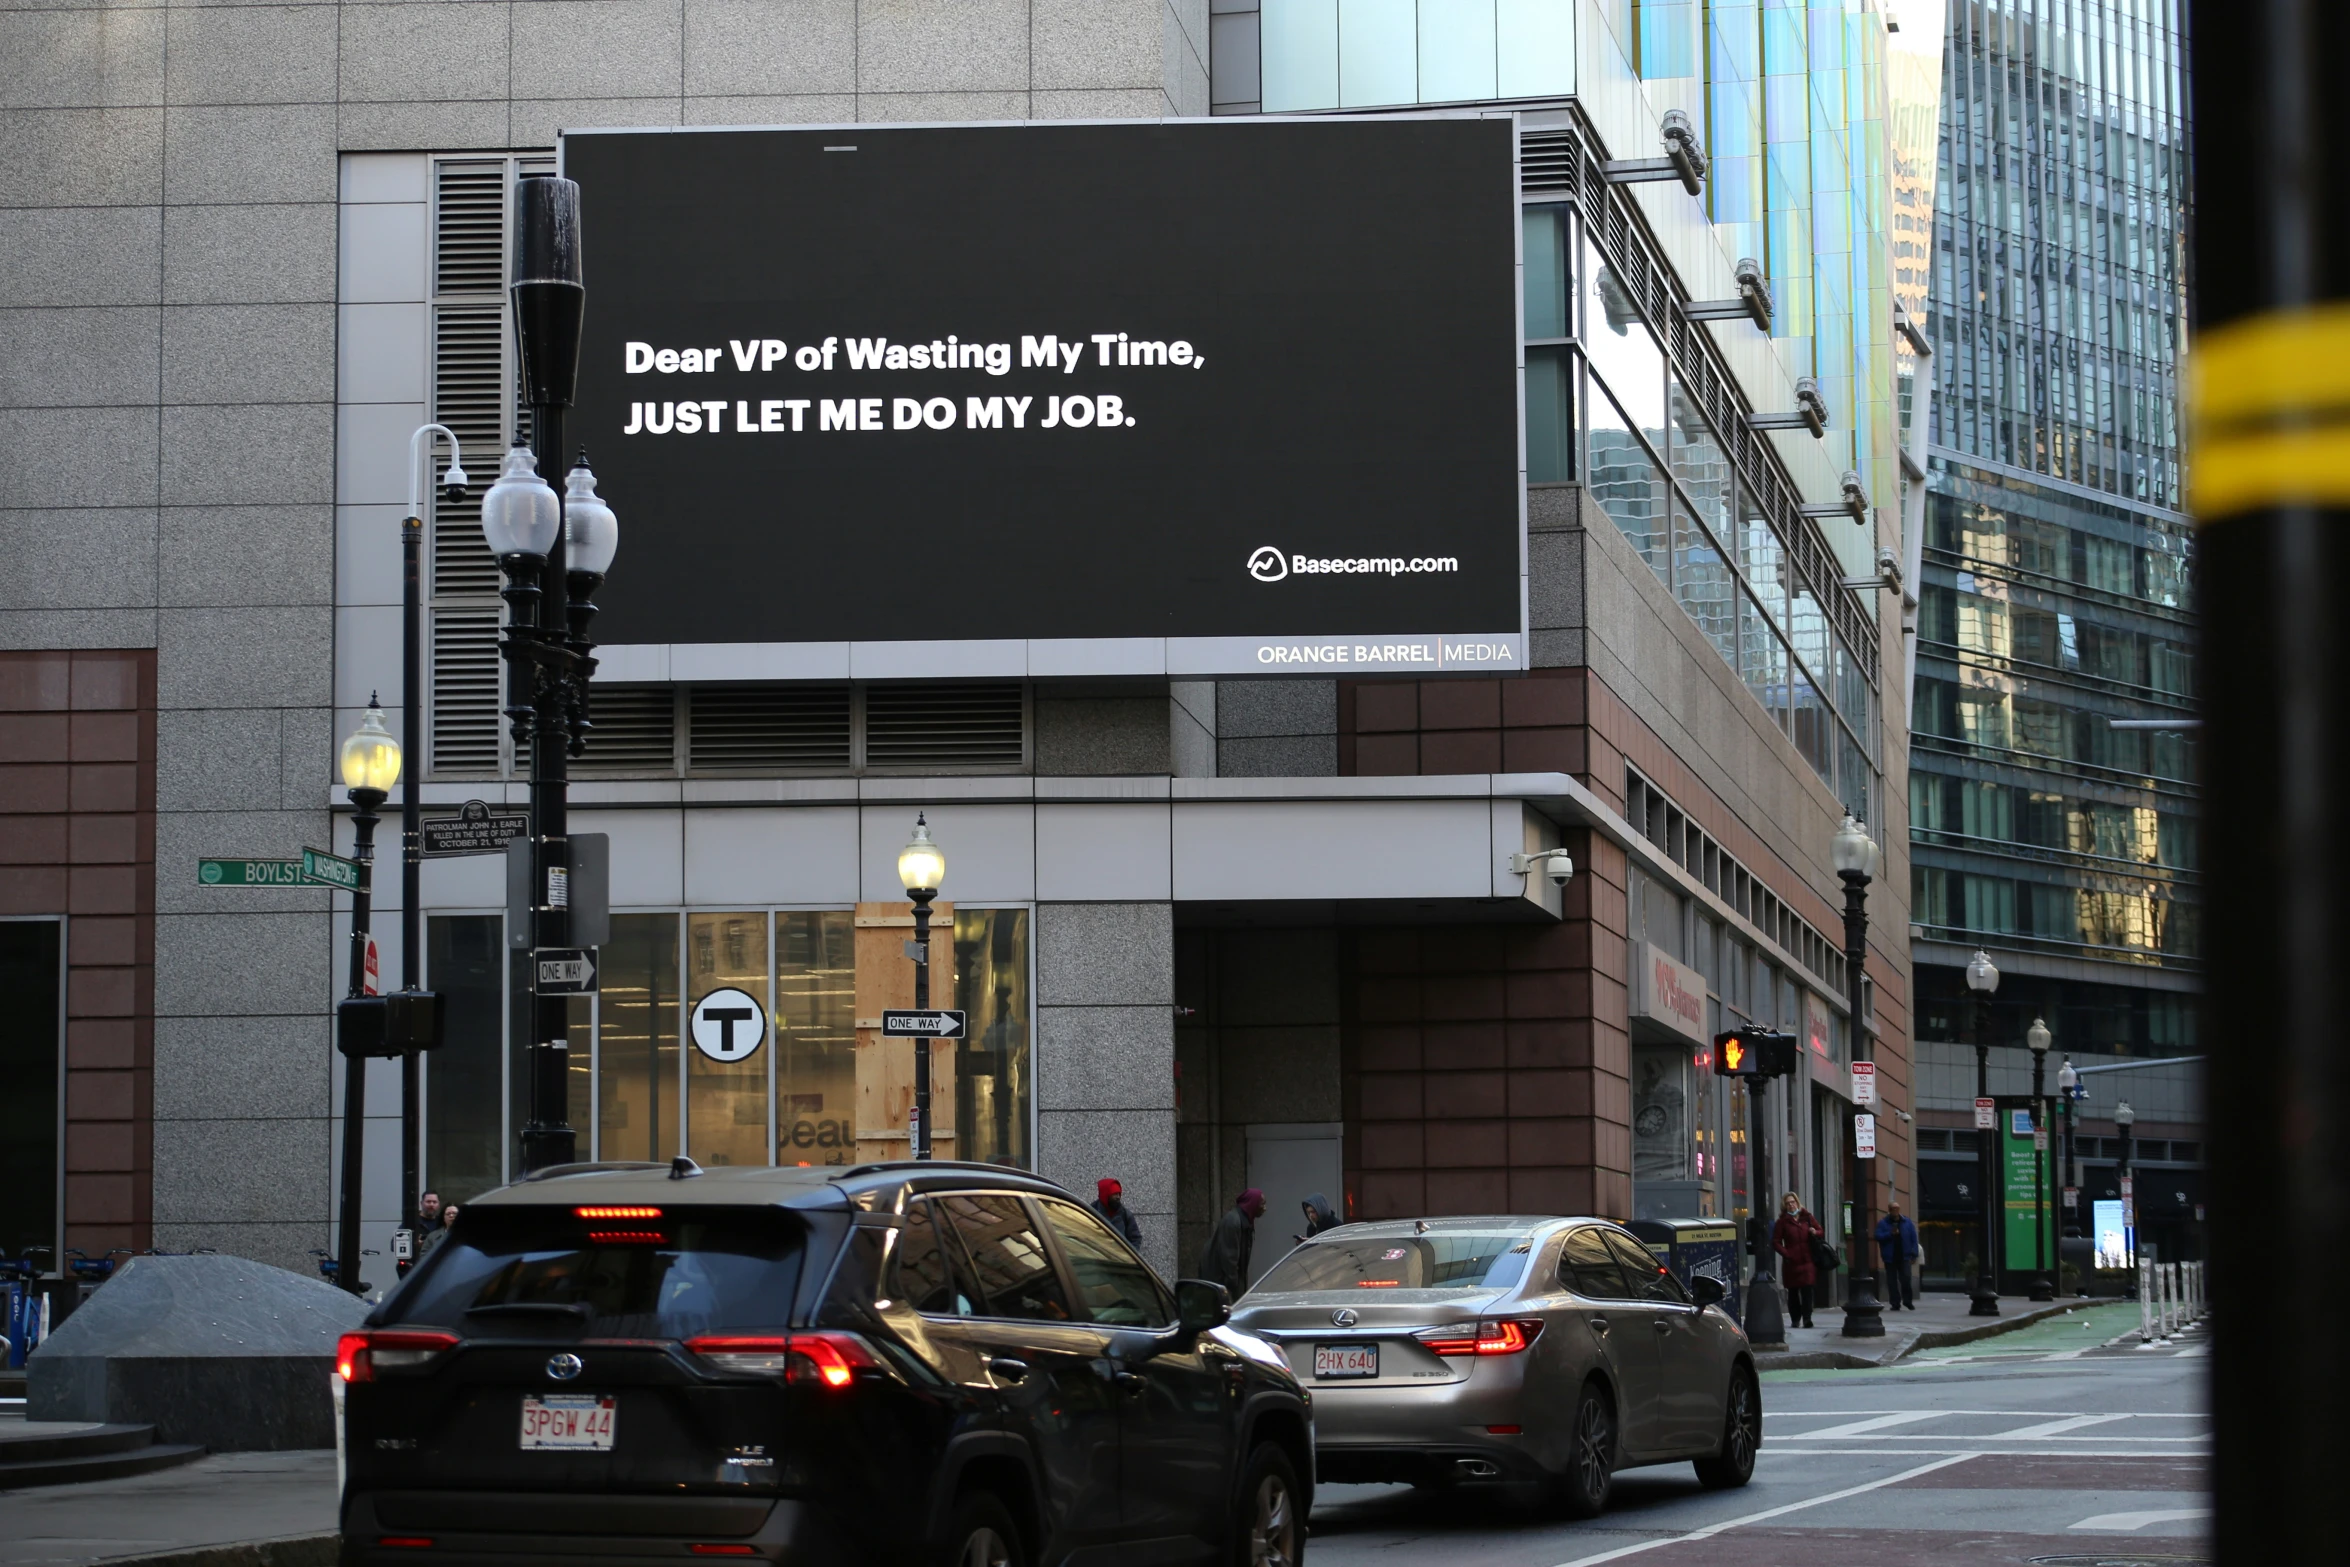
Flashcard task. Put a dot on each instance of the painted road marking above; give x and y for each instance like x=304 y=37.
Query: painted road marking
x=2055 y=1427
x=2125 y=1523
x=1880 y=1423
x=1712 y=1529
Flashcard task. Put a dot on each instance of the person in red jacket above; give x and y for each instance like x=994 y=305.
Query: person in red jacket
x=1791 y=1238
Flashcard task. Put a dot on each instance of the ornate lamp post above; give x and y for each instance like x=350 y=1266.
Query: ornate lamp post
x=370 y=765
x=2038 y=1038
x=1982 y=979
x=921 y=867
x=1855 y=856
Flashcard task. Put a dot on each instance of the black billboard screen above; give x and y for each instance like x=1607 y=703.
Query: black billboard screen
x=1204 y=397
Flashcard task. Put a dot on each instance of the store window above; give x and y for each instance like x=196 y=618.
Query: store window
x=637 y=1043
x=727 y=1068
x=815 y=1037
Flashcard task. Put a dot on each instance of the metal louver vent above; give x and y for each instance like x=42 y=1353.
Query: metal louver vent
x=465 y=687
x=1546 y=161
x=777 y=728
x=946 y=726
x=468 y=391
x=635 y=730
x=469 y=249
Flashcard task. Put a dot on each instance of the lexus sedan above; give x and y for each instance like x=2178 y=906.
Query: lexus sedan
x=924 y=1364
x=1543 y=1349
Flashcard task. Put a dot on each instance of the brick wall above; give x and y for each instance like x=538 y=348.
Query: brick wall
x=1486 y=1068
x=77 y=837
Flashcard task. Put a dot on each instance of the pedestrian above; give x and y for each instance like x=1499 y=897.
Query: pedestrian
x=1224 y=1260
x=1791 y=1238
x=431 y=1224
x=1320 y=1216
x=1110 y=1202
x=1897 y=1243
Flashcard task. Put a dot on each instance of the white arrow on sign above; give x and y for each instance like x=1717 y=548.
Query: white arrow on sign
x=728 y=1025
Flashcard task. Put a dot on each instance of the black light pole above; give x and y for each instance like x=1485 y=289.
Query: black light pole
x=1855 y=858
x=2123 y=1119
x=411 y=801
x=921 y=867
x=547 y=664
x=1982 y=979
x=2068 y=1094
x=370 y=764
x=2043 y=1288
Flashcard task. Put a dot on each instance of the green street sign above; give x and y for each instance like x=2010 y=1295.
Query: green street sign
x=330 y=870
x=249 y=873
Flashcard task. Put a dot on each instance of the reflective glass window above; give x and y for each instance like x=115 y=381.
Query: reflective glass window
x=726 y=1100
x=993 y=1083
x=1378 y=53
x=1587 y=1267
x=1625 y=481
x=1015 y=1273
x=465 y=956
x=1298 y=54
x=1534 y=47
x=637 y=1067
x=1113 y=1285
x=1623 y=353
x=1762 y=660
x=1456 y=50
x=1550 y=415
x=1544 y=246
x=932 y=1275
x=815 y=1037
x=1764 y=560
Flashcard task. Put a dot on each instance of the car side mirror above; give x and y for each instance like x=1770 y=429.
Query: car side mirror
x=1706 y=1290
x=1201 y=1304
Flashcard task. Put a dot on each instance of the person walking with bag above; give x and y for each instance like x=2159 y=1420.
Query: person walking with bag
x=1793 y=1238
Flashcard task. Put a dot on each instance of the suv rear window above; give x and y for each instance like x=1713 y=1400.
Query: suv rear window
x=526 y=1272
x=1409 y=1262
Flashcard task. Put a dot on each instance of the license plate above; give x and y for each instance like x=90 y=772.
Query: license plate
x=575 y=1422
x=1346 y=1360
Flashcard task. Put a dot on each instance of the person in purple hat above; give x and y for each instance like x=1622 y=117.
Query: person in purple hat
x=1225 y=1259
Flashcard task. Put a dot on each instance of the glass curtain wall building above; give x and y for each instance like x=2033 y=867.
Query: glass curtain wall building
x=2056 y=594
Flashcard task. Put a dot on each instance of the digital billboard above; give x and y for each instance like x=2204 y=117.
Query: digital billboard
x=1152 y=397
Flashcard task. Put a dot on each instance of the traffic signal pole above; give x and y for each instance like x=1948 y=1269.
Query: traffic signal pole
x=2268 y=474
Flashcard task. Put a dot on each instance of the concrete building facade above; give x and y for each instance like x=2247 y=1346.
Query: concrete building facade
x=1214 y=933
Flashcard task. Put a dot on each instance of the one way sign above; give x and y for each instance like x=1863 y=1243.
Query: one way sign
x=566 y=971
x=922 y=1025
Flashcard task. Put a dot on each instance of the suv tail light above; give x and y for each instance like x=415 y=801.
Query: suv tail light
x=830 y=1360
x=358 y=1356
x=1495 y=1336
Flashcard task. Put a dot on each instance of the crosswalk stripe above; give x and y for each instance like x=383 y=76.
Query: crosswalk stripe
x=2056 y=1427
x=1880 y=1423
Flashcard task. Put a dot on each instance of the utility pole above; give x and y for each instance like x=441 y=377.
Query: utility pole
x=2269 y=475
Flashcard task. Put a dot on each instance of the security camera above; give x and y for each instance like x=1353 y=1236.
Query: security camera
x=1556 y=864
x=453 y=484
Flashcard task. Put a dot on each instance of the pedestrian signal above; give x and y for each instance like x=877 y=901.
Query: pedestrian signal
x=1753 y=1053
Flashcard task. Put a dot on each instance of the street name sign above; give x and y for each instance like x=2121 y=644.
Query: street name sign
x=566 y=971
x=330 y=870
x=1864 y=1082
x=922 y=1025
x=250 y=873
x=475 y=829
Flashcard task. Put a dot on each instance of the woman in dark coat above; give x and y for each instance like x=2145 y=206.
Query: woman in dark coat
x=1791 y=1238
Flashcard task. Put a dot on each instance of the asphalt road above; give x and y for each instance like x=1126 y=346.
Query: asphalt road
x=2041 y=1446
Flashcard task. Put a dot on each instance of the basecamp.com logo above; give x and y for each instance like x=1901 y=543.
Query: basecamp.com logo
x=1268 y=564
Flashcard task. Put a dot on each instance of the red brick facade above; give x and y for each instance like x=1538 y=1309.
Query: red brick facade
x=1486 y=1069
x=77 y=838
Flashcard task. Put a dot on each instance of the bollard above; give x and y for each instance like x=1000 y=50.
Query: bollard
x=2145 y=1302
x=2170 y=1300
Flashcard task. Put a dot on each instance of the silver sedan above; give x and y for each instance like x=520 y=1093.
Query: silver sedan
x=1556 y=1350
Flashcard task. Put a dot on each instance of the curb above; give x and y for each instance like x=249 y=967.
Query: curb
x=293 y=1550
x=1992 y=1328
x=1845 y=1360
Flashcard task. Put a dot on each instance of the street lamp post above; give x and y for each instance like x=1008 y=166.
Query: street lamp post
x=921 y=867
x=1982 y=979
x=2043 y=1288
x=370 y=765
x=1855 y=856
x=2068 y=1093
x=548 y=571
x=453 y=482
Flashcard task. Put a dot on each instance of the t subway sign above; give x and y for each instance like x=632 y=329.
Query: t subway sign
x=1208 y=397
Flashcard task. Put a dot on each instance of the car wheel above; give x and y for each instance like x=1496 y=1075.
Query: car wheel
x=1268 y=1516
x=983 y=1534
x=1591 y=1458
x=1733 y=1466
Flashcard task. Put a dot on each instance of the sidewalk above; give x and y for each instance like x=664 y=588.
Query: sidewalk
x=278 y=1509
x=1940 y=1320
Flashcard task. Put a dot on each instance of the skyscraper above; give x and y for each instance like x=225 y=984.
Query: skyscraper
x=2053 y=820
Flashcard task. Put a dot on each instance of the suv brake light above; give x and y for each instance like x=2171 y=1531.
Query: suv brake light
x=358 y=1356
x=1497 y=1336
x=829 y=1360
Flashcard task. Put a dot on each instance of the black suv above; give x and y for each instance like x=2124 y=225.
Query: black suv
x=922 y=1363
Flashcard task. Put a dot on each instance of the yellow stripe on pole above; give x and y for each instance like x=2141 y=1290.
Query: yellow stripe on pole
x=2269 y=404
